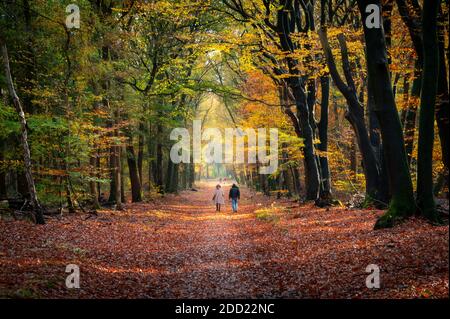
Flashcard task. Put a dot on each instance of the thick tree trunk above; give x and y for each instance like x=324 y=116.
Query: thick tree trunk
x=38 y=211
x=134 y=175
x=425 y=196
x=402 y=202
x=377 y=146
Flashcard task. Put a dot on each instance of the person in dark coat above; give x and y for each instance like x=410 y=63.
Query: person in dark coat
x=234 y=195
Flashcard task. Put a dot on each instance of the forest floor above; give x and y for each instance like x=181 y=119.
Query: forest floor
x=179 y=247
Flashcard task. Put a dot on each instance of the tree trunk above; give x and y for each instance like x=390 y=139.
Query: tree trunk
x=3 y=192
x=297 y=84
x=325 y=186
x=123 y=198
x=353 y=159
x=118 y=176
x=93 y=184
x=140 y=157
x=377 y=146
x=134 y=175
x=410 y=13
x=402 y=201
x=169 y=177
x=354 y=114
x=311 y=170
x=112 y=166
x=425 y=196
x=410 y=119
x=442 y=106
x=38 y=211
x=159 y=160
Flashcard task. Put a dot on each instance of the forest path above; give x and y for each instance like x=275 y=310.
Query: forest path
x=224 y=255
x=179 y=247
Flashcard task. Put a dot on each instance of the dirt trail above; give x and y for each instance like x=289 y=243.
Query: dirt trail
x=179 y=247
x=220 y=253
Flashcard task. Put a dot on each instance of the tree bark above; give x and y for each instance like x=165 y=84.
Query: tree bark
x=354 y=114
x=425 y=196
x=410 y=13
x=297 y=84
x=118 y=176
x=159 y=160
x=37 y=209
x=134 y=175
x=442 y=106
x=140 y=157
x=402 y=202
x=325 y=186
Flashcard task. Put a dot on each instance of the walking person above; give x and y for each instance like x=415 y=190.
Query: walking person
x=218 y=197
x=234 y=195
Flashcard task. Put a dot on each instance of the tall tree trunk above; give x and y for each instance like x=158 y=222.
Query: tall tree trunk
x=325 y=185
x=94 y=157
x=297 y=84
x=354 y=114
x=93 y=184
x=140 y=157
x=402 y=202
x=134 y=175
x=38 y=211
x=425 y=196
x=175 y=178
x=410 y=120
x=159 y=160
x=410 y=13
x=123 y=198
x=312 y=182
x=354 y=159
x=151 y=153
x=112 y=167
x=191 y=174
x=442 y=106
x=377 y=146
x=118 y=176
x=3 y=192
x=169 y=177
